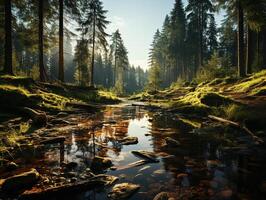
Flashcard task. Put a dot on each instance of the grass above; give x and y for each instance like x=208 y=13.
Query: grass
x=253 y=85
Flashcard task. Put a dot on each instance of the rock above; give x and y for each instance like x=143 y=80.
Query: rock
x=161 y=196
x=144 y=168
x=214 y=99
x=159 y=172
x=123 y=191
x=71 y=174
x=70 y=165
x=73 y=179
x=21 y=181
x=100 y=163
x=170 y=142
x=113 y=168
x=129 y=140
x=149 y=156
x=107 y=179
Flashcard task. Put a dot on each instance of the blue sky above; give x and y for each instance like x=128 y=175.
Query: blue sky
x=137 y=21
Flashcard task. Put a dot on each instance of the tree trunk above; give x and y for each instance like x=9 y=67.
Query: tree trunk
x=264 y=49
x=240 y=39
x=61 y=41
x=8 y=69
x=93 y=48
x=41 y=64
x=249 y=51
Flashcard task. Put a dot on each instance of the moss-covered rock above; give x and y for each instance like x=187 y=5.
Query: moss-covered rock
x=214 y=99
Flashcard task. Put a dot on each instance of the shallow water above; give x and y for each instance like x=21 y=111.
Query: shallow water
x=199 y=169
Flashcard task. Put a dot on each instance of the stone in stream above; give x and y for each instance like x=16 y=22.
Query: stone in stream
x=123 y=191
x=170 y=142
x=161 y=196
x=21 y=181
x=129 y=140
x=100 y=163
x=149 y=156
x=107 y=179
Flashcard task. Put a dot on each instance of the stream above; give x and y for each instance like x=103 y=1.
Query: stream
x=201 y=168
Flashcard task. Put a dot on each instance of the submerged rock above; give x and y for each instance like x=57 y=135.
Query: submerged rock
x=129 y=140
x=21 y=181
x=161 y=196
x=149 y=156
x=107 y=179
x=123 y=191
x=100 y=163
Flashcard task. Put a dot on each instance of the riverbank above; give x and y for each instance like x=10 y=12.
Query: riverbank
x=176 y=136
x=240 y=100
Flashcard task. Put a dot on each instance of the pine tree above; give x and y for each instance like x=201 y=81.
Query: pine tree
x=8 y=69
x=198 y=14
x=94 y=24
x=177 y=37
x=119 y=59
x=212 y=36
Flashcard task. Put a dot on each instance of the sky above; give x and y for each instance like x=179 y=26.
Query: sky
x=137 y=21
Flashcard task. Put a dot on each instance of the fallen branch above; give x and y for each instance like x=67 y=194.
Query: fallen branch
x=237 y=125
x=54 y=140
x=134 y=164
x=38 y=193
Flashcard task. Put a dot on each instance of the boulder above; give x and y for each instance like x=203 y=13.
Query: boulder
x=161 y=196
x=123 y=191
x=129 y=140
x=100 y=163
x=21 y=181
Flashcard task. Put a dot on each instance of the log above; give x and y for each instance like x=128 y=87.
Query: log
x=134 y=164
x=83 y=106
x=39 y=193
x=54 y=140
x=20 y=181
x=149 y=156
x=239 y=126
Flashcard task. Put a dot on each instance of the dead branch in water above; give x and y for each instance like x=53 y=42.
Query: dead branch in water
x=237 y=125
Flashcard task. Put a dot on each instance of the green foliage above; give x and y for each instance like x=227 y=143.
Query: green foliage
x=154 y=78
x=213 y=69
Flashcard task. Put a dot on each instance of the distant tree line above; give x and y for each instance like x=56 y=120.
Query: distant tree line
x=190 y=45
x=37 y=38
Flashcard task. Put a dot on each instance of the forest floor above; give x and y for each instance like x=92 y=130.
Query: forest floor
x=240 y=100
x=225 y=113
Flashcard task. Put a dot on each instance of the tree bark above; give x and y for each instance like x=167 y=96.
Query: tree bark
x=241 y=67
x=41 y=64
x=249 y=51
x=264 y=49
x=61 y=41
x=8 y=68
x=93 y=48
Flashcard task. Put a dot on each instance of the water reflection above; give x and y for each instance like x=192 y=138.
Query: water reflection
x=198 y=169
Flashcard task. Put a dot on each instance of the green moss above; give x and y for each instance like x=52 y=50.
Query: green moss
x=254 y=82
x=259 y=91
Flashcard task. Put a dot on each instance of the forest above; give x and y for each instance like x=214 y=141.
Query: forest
x=82 y=117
